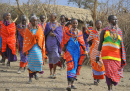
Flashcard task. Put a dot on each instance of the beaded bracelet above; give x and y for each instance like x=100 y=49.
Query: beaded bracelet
x=97 y=56
x=86 y=52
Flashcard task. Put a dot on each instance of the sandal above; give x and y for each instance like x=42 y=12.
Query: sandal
x=54 y=76
x=30 y=81
x=50 y=76
x=8 y=64
x=24 y=69
x=73 y=87
x=95 y=83
x=19 y=72
x=68 y=89
x=36 y=76
x=98 y=80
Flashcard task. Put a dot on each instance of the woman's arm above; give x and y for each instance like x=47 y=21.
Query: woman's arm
x=101 y=40
x=62 y=53
x=100 y=45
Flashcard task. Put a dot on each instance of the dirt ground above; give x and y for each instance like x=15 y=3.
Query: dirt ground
x=11 y=81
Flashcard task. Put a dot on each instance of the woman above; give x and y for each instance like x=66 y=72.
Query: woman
x=33 y=48
x=8 y=31
x=74 y=52
x=93 y=40
x=3 y=57
x=43 y=25
x=21 y=31
x=112 y=51
x=64 y=29
x=86 y=32
x=53 y=35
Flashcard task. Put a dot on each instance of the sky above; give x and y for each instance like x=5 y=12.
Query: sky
x=58 y=2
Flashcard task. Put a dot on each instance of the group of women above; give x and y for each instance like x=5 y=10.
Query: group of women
x=62 y=43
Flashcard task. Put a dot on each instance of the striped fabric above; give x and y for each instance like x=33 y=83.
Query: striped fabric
x=85 y=35
x=112 y=68
x=8 y=37
x=90 y=28
x=111 y=49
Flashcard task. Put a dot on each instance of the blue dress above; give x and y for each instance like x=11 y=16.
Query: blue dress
x=74 y=49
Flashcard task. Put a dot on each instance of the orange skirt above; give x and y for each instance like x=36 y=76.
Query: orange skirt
x=22 y=64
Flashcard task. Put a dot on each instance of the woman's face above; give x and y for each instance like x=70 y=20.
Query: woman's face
x=99 y=25
x=53 y=17
x=62 y=19
x=34 y=21
x=8 y=16
x=113 y=20
x=42 y=18
x=74 y=23
x=24 y=21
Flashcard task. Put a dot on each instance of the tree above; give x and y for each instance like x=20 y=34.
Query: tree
x=95 y=11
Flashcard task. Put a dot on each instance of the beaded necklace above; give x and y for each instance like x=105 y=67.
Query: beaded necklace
x=53 y=28
x=98 y=34
x=63 y=27
x=72 y=32
x=114 y=36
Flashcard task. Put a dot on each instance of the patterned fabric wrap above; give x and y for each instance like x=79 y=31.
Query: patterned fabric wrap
x=70 y=55
x=8 y=37
x=86 y=35
x=35 y=59
x=123 y=54
x=20 y=42
x=30 y=40
x=98 y=68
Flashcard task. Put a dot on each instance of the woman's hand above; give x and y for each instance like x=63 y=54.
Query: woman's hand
x=97 y=59
x=52 y=34
x=62 y=60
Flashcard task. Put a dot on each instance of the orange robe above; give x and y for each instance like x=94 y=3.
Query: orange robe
x=43 y=28
x=8 y=37
x=30 y=40
x=64 y=29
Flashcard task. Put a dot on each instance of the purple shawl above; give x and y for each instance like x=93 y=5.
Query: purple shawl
x=58 y=32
